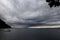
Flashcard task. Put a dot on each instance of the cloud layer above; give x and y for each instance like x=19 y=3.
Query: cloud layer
x=29 y=13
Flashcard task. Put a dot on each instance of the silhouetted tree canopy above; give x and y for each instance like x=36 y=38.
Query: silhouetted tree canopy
x=52 y=3
x=3 y=24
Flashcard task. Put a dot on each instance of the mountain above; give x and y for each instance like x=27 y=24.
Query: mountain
x=3 y=24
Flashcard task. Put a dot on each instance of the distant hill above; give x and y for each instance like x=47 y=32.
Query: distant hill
x=3 y=24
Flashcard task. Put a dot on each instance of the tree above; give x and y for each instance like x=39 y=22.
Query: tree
x=52 y=3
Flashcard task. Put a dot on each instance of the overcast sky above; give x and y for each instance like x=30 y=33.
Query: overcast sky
x=28 y=12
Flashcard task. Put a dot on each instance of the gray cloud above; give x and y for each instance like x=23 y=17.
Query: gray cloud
x=28 y=12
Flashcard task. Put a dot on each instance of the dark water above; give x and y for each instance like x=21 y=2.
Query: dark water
x=30 y=34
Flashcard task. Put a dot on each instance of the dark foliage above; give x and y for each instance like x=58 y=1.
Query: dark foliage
x=52 y=3
x=3 y=24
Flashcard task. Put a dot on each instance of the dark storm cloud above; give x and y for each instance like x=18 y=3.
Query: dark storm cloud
x=29 y=12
